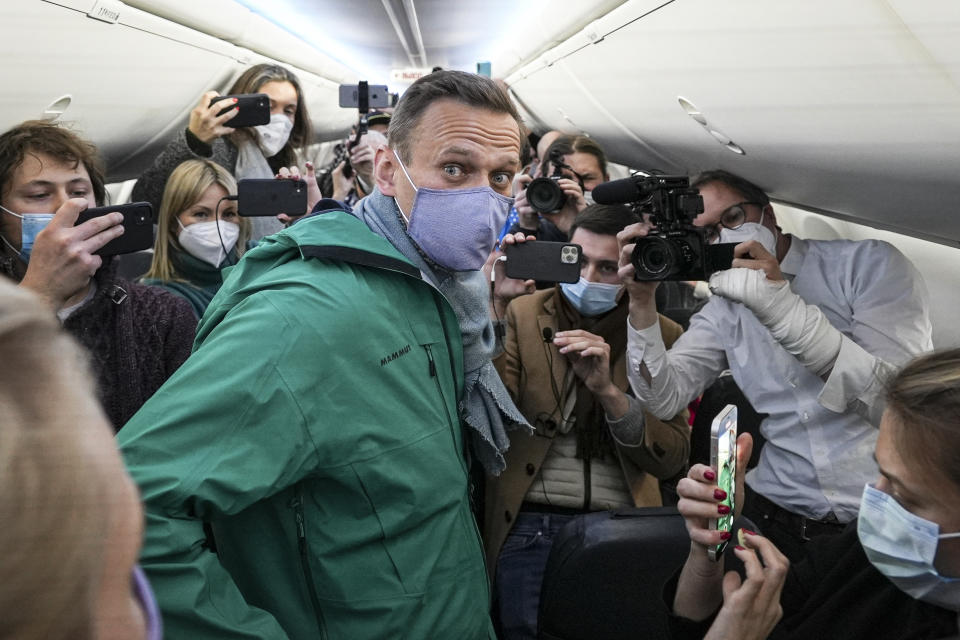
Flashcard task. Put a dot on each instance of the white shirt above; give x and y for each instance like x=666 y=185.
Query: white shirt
x=820 y=435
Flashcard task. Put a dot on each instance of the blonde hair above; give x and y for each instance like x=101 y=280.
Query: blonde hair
x=52 y=489
x=184 y=187
x=924 y=398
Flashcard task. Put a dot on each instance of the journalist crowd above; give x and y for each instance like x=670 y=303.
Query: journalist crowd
x=385 y=414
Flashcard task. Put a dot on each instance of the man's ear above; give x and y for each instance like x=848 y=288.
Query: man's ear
x=385 y=171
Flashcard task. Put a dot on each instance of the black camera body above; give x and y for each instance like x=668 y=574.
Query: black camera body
x=676 y=249
x=679 y=255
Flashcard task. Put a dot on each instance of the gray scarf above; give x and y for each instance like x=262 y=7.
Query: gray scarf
x=487 y=407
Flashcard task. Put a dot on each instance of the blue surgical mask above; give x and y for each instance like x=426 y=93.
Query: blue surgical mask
x=30 y=225
x=151 y=612
x=902 y=546
x=591 y=298
x=456 y=228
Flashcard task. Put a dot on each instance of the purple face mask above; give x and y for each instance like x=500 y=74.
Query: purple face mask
x=456 y=228
x=148 y=603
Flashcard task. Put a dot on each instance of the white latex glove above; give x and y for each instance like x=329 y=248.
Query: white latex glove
x=800 y=328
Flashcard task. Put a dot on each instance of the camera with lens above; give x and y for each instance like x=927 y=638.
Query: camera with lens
x=544 y=194
x=675 y=249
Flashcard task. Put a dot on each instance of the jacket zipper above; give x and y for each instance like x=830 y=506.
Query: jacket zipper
x=433 y=374
x=456 y=424
x=305 y=562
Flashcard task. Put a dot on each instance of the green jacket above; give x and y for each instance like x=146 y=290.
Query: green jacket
x=315 y=429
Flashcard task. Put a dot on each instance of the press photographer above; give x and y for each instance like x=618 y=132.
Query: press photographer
x=572 y=166
x=808 y=328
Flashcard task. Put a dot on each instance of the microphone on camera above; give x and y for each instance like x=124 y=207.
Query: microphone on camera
x=619 y=191
x=547 y=334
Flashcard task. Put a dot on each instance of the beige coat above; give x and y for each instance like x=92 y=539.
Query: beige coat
x=524 y=368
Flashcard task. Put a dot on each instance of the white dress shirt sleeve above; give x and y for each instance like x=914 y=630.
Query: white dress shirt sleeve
x=666 y=381
x=890 y=325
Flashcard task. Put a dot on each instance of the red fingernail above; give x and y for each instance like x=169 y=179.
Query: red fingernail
x=723 y=509
x=709 y=475
x=235 y=100
x=719 y=494
x=738 y=547
x=748 y=531
x=724 y=535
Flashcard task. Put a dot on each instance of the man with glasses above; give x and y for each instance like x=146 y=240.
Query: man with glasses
x=808 y=329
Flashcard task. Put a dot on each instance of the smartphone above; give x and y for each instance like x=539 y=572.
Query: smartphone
x=137 y=227
x=271 y=196
x=723 y=458
x=254 y=109
x=377 y=96
x=543 y=261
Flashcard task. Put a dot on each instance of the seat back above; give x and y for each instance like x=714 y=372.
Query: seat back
x=605 y=575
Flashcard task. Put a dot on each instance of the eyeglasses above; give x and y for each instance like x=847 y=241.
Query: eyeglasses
x=732 y=218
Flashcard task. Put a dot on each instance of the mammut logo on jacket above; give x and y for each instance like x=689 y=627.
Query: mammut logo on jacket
x=393 y=356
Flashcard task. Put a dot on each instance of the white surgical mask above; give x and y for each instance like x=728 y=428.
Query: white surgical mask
x=591 y=298
x=902 y=547
x=274 y=135
x=751 y=231
x=202 y=240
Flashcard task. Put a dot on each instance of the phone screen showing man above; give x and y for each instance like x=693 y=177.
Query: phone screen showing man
x=724 y=459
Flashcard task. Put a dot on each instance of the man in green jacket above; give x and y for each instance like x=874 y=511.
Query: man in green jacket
x=339 y=387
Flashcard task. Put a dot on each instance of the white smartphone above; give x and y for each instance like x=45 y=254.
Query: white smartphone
x=723 y=458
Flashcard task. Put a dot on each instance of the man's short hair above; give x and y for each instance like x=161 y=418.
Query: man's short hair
x=467 y=88
x=58 y=142
x=749 y=191
x=604 y=219
x=565 y=145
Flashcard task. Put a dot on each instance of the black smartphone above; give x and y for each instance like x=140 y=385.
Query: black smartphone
x=543 y=261
x=378 y=96
x=723 y=458
x=269 y=197
x=254 y=109
x=137 y=227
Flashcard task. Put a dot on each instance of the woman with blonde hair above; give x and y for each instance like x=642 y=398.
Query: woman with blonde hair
x=249 y=152
x=198 y=233
x=72 y=521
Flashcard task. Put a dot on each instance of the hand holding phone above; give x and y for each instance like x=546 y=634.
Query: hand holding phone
x=254 y=109
x=543 y=261
x=723 y=458
x=271 y=197
x=137 y=227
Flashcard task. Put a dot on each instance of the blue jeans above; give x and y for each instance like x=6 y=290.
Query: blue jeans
x=520 y=569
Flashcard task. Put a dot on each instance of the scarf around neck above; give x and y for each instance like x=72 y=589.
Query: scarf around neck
x=486 y=408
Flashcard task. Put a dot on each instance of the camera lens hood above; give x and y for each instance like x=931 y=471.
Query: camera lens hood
x=545 y=195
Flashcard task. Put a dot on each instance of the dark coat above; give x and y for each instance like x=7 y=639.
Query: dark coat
x=526 y=372
x=136 y=336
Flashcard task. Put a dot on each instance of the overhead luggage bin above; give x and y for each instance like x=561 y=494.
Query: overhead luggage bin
x=128 y=79
x=860 y=98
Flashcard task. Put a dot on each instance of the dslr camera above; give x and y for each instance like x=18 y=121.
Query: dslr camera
x=675 y=249
x=544 y=194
